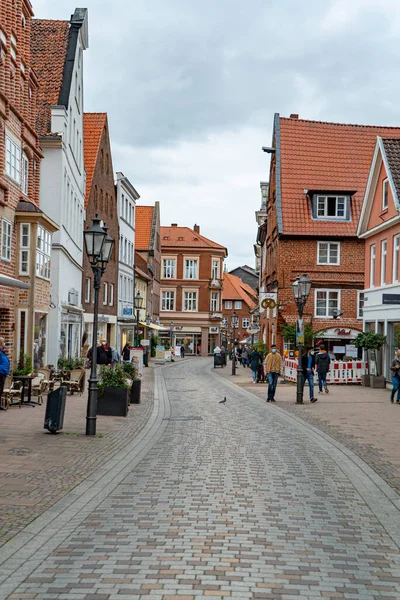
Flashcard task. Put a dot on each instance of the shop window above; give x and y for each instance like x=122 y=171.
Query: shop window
x=328 y=253
x=39 y=345
x=24 y=252
x=167 y=300
x=43 y=253
x=326 y=302
x=6 y=231
x=190 y=301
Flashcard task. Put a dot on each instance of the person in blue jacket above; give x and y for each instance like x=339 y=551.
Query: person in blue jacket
x=4 y=368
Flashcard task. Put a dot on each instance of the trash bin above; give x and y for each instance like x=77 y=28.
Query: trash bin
x=55 y=409
x=219 y=360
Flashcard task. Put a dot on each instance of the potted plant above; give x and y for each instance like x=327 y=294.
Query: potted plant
x=24 y=366
x=371 y=342
x=136 y=386
x=113 y=390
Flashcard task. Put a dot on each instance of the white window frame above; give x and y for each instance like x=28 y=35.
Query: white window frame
x=43 y=253
x=214 y=302
x=111 y=295
x=372 y=261
x=190 y=300
x=169 y=268
x=383 y=262
x=88 y=289
x=385 y=194
x=13 y=159
x=191 y=268
x=168 y=300
x=215 y=265
x=6 y=240
x=324 y=214
x=360 y=298
x=228 y=304
x=24 y=173
x=328 y=253
x=238 y=304
x=105 y=293
x=326 y=291
x=245 y=322
x=25 y=249
x=396 y=254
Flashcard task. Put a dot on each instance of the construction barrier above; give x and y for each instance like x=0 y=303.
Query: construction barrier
x=340 y=371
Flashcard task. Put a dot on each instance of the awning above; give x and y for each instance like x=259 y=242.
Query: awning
x=153 y=326
x=11 y=282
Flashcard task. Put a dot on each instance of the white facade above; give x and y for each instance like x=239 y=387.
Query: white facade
x=126 y=202
x=62 y=193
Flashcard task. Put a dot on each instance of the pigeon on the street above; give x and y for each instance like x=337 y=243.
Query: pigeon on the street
x=222 y=401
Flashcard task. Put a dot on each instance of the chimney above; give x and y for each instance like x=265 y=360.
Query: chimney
x=174 y=224
x=196 y=228
x=294 y=116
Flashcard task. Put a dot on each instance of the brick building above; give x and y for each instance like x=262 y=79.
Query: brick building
x=191 y=288
x=318 y=175
x=239 y=298
x=148 y=247
x=247 y=275
x=100 y=199
x=26 y=230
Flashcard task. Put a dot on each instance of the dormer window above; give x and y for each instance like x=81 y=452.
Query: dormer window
x=330 y=207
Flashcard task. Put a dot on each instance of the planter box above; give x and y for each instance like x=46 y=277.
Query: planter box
x=365 y=380
x=136 y=391
x=113 y=403
x=377 y=381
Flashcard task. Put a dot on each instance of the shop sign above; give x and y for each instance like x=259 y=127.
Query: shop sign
x=268 y=300
x=253 y=329
x=213 y=330
x=127 y=312
x=390 y=298
x=145 y=343
x=338 y=333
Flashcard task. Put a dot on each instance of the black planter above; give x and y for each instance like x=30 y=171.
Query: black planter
x=136 y=391
x=113 y=402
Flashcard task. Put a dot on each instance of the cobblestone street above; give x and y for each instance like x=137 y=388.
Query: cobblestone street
x=236 y=500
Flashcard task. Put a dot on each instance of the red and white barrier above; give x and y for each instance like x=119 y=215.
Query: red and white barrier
x=340 y=372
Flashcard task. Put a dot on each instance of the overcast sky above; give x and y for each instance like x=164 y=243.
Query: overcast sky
x=191 y=87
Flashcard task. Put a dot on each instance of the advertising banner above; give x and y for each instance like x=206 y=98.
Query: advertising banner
x=137 y=360
x=160 y=355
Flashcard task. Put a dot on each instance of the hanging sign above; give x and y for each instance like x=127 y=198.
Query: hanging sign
x=299 y=332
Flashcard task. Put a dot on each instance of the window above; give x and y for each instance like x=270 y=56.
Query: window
x=328 y=253
x=169 y=268
x=372 y=267
x=105 y=293
x=383 y=261
x=6 y=240
x=168 y=301
x=24 y=249
x=190 y=269
x=245 y=323
x=238 y=305
x=13 y=160
x=214 y=301
x=228 y=304
x=331 y=207
x=215 y=269
x=25 y=173
x=190 y=301
x=385 y=194
x=87 y=289
x=122 y=206
x=360 y=305
x=326 y=302
x=111 y=295
x=396 y=248
x=43 y=253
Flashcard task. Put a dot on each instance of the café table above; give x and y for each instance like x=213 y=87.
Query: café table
x=26 y=381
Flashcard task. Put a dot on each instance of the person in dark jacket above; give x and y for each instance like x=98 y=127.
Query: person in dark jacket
x=104 y=354
x=322 y=362
x=308 y=367
x=255 y=361
x=126 y=353
x=4 y=368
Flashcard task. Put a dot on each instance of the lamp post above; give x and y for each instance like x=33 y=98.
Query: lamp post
x=98 y=245
x=301 y=288
x=171 y=330
x=235 y=324
x=138 y=306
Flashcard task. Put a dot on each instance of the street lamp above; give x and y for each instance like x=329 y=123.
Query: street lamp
x=138 y=306
x=301 y=288
x=235 y=325
x=98 y=246
x=171 y=329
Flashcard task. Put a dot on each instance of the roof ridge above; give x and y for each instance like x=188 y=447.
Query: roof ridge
x=291 y=120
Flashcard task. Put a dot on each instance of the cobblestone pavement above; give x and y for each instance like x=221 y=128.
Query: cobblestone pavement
x=363 y=419
x=38 y=468
x=236 y=500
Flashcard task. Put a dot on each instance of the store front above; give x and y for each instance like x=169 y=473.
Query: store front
x=339 y=342
x=71 y=334
x=40 y=340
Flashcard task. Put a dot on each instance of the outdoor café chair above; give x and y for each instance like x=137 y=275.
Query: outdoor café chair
x=10 y=392
x=74 y=382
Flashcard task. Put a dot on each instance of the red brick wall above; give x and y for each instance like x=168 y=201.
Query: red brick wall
x=244 y=312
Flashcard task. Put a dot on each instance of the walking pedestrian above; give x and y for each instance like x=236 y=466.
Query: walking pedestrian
x=245 y=356
x=182 y=351
x=395 y=368
x=126 y=353
x=322 y=362
x=255 y=361
x=4 y=369
x=115 y=358
x=272 y=369
x=308 y=367
x=104 y=355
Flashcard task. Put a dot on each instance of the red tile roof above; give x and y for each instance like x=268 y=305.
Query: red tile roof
x=323 y=156
x=235 y=289
x=93 y=126
x=143 y=226
x=185 y=237
x=49 y=43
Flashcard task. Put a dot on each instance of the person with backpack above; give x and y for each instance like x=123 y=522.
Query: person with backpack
x=104 y=355
x=255 y=359
x=395 y=368
x=4 y=369
x=322 y=362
